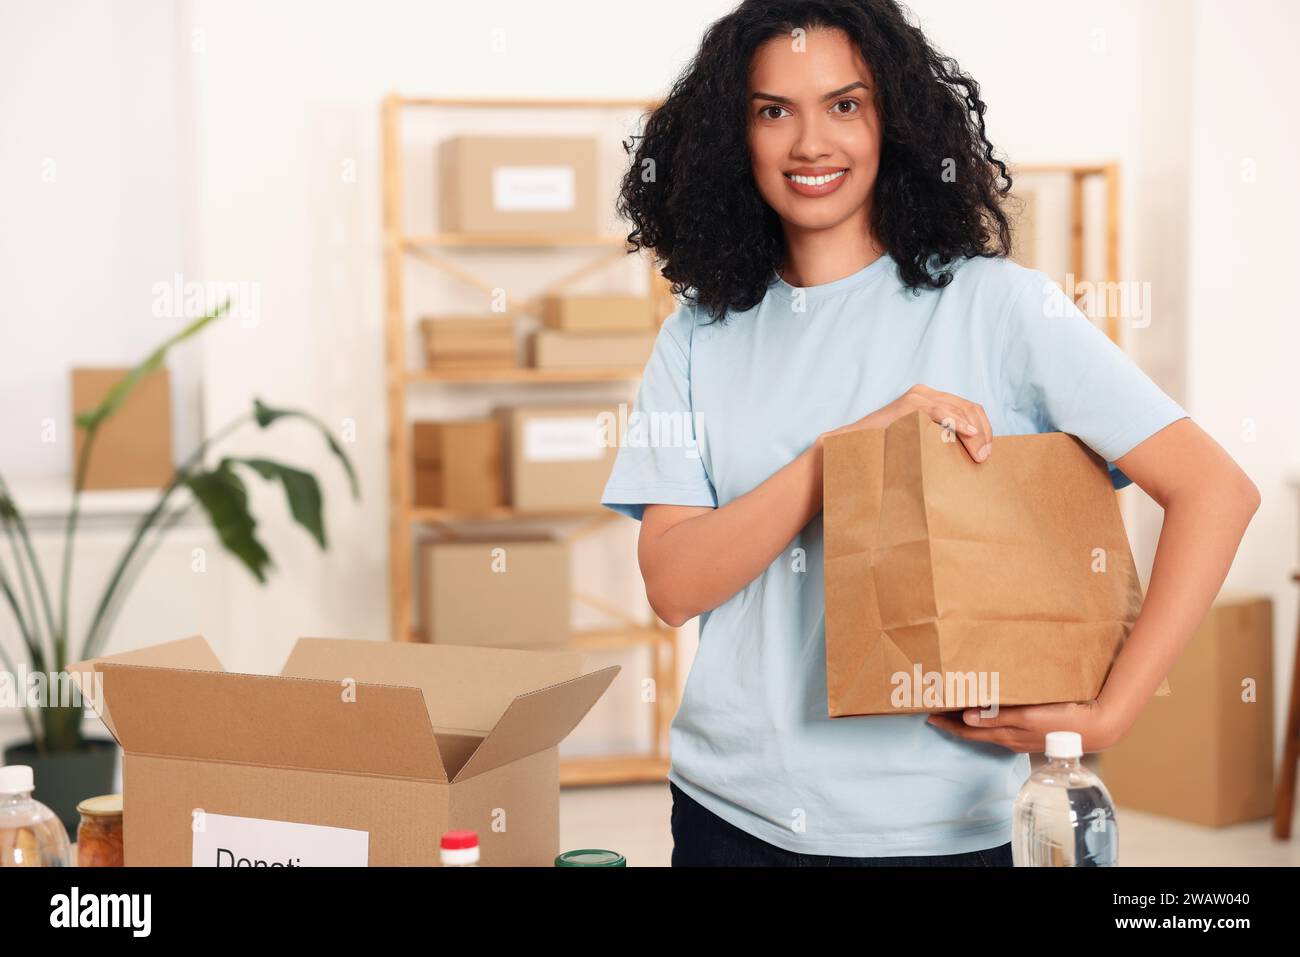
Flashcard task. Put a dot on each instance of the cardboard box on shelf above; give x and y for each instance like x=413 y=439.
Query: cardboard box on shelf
x=358 y=752
x=427 y=487
x=455 y=329
x=591 y=350
x=1203 y=753
x=950 y=582
x=458 y=465
x=506 y=592
x=518 y=184
x=574 y=313
x=469 y=342
x=558 y=457
x=133 y=447
x=484 y=346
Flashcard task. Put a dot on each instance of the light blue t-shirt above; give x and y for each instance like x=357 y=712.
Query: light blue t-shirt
x=727 y=405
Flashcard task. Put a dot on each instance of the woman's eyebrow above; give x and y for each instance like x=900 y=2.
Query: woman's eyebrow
x=785 y=99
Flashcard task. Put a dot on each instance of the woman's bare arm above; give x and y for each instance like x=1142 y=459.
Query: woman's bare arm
x=694 y=559
x=1208 y=502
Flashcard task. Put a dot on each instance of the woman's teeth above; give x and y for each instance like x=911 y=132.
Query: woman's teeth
x=815 y=180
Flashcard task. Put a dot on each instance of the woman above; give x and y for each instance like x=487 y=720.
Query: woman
x=820 y=191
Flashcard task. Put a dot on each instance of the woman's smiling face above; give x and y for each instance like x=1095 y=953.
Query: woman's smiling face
x=813 y=128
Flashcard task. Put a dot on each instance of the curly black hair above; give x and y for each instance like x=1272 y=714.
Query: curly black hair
x=937 y=195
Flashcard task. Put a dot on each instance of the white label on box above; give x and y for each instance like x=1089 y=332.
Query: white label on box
x=563 y=439
x=532 y=189
x=224 y=841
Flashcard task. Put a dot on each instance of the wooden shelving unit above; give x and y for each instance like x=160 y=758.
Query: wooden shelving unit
x=1079 y=176
x=404 y=517
x=506 y=376
x=509 y=241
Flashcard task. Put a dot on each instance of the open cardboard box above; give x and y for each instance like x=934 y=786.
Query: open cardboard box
x=358 y=752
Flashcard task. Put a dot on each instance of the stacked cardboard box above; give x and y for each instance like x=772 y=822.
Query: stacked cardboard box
x=358 y=752
x=507 y=593
x=1204 y=752
x=585 y=332
x=458 y=465
x=558 y=457
x=474 y=342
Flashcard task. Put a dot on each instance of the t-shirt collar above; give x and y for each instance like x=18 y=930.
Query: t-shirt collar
x=836 y=287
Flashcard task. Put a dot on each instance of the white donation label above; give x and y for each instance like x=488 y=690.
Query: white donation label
x=224 y=841
x=562 y=439
x=532 y=189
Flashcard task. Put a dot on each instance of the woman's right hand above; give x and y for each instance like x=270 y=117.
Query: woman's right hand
x=964 y=419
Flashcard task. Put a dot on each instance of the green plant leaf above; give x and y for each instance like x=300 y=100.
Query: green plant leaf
x=300 y=488
x=90 y=418
x=222 y=495
x=266 y=415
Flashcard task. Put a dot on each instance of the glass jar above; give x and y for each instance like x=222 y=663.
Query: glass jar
x=99 y=836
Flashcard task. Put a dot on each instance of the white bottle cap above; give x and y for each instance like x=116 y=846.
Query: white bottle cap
x=1064 y=744
x=15 y=779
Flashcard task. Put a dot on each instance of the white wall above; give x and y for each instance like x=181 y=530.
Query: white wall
x=91 y=174
x=1244 y=326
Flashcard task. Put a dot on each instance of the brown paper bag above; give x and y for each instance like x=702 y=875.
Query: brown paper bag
x=954 y=584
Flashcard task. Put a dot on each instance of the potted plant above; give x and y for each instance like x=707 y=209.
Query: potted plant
x=68 y=766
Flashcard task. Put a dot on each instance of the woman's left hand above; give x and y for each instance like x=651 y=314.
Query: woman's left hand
x=1025 y=727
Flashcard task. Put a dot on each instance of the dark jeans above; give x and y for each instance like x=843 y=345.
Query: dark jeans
x=702 y=839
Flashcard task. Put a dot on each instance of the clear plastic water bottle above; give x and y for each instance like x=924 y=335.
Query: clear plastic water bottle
x=30 y=833
x=1063 y=816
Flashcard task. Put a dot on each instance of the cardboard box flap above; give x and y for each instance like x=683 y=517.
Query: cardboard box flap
x=538 y=720
x=282 y=722
x=466 y=689
x=193 y=653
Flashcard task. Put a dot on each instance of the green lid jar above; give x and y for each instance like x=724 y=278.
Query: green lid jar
x=591 y=857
